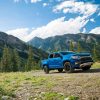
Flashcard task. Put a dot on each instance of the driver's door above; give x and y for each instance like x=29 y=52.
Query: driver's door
x=56 y=61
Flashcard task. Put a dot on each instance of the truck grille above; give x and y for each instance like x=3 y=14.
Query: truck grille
x=86 y=59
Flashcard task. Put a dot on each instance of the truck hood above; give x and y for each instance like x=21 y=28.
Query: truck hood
x=65 y=57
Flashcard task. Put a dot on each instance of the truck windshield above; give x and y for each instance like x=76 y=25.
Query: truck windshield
x=65 y=53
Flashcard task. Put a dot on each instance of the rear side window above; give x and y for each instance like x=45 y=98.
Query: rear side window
x=57 y=55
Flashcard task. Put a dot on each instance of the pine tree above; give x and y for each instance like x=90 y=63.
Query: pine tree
x=16 y=61
x=6 y=63
x=98 y=52
x=0 y=65
x=30 y=63
x=79 y=48
x=94 y=53
x=71 y=48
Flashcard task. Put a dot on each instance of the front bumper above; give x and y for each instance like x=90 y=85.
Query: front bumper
x=86 y=64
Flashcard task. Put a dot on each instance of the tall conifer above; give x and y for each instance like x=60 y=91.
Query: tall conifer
x=94 y=53
x=6 y=63
x=16 y=61
x=29 y=64
x=79 y=48
x=71 y=48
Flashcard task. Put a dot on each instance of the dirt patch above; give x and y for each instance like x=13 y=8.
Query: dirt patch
x=85 y=85
x=36 y=85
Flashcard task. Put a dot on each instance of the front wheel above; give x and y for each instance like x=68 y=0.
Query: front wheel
x=60 y=70
x=46 y=69
x=86 y=68
x=68 y=68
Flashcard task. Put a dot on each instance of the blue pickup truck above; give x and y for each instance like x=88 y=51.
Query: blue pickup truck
x=68 y=61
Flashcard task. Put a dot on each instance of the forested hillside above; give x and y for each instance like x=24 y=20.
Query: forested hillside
x=15 y=55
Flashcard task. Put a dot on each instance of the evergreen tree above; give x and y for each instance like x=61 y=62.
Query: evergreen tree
x=71 y=47
x=98 y=52
x=94 y=53
x=16 y=61
x=6 y=63
x=30 y=63
x=79 y=48
x=0 y=65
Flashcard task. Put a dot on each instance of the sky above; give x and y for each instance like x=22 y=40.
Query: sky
x=27 y=19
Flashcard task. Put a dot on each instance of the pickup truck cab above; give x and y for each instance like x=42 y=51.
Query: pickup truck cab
x=68 y=61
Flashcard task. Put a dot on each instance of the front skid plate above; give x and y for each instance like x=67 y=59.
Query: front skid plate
x=86 y=64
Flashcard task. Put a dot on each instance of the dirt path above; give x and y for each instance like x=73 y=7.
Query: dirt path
x=85 y=85
x=76 y=72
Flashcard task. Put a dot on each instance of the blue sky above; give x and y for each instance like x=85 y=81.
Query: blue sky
x=26 y=19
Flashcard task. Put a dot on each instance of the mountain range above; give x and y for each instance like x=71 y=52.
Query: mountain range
x=62 y=42
x=57 y=43
x=15 y=43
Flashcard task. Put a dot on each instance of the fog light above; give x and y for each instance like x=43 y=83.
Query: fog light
x=76 y=63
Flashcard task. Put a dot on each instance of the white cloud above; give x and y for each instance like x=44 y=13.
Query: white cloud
x=35 y=1
x=92 y=20
x=26 y=1
x=58 y=26
x=61 y=26
x=84 y=30
x=21 y=33
x=72 y=6
x=99 y=14
x=45 y=4
x=95 y=30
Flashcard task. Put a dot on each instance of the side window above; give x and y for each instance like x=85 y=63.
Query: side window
x=51 y=56
x=57 y=55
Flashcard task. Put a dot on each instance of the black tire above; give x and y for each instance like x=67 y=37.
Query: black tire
x=86 y=68
x=60 y=70
x=46 y=69
x=68 y=68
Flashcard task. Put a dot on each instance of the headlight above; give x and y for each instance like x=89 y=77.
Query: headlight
x=75 y=57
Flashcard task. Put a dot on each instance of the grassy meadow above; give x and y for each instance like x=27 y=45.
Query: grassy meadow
x=35 y=85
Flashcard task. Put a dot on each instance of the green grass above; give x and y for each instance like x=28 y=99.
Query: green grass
x=96 y=65
x=54 y=86
x=10 y=82
x=49 y=96
x=73 y=98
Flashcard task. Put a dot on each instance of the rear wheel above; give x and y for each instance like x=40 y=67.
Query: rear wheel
x=68 y=68
x=60 y=70
x=46 y=69
x=86 y=68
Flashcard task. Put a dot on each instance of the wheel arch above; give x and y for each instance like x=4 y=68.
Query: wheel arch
x=66 y=61
x=45 y=65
